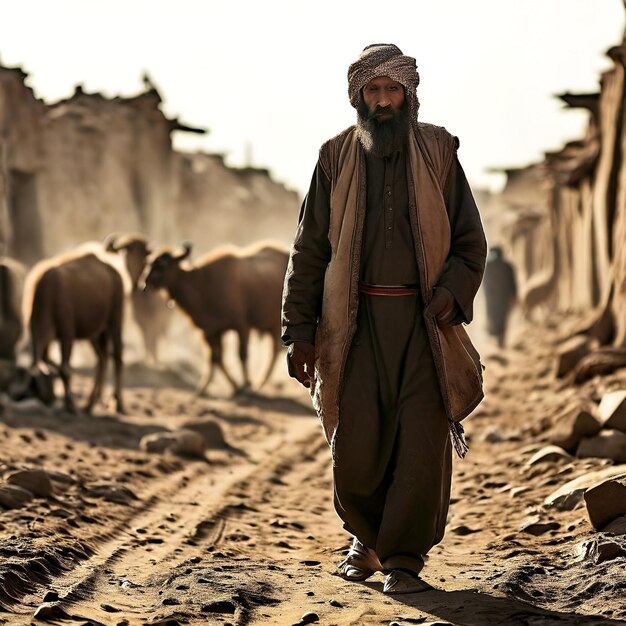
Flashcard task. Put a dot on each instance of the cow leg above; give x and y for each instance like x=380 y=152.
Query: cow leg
x=40 y=382
x=64 y=371
x=206 y=380
x=276 y=344
x=118 y=363
x=150 y=343
x=100 y=345
x=244 y=339
x=217 y=359
x=209 y=373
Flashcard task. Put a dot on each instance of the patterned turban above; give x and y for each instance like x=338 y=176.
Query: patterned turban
x=384 y=59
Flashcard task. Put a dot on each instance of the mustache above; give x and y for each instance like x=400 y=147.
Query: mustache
x=380 y=111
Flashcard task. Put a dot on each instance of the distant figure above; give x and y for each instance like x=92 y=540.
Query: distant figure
x=500 y=293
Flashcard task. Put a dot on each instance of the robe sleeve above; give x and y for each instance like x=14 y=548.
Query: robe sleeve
x=308 y=260
x=465 y=265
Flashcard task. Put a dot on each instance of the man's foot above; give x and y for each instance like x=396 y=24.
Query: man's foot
x=402 y=581
x=359 y=564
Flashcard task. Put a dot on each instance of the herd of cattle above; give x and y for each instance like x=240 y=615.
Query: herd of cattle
x=81 y=295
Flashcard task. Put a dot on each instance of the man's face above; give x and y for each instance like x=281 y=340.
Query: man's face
x=383 y=97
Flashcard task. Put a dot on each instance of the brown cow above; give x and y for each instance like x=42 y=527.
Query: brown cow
x=76 y=296
x=150 y=310
x=12 y=275
x=228 y=289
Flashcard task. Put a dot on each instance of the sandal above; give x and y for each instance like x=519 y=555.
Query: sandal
x=359 y=564
x=401 y=581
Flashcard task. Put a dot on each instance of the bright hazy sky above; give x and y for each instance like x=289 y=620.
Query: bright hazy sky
x=269 y=78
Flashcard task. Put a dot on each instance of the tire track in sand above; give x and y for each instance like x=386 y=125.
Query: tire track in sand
x=128 y=580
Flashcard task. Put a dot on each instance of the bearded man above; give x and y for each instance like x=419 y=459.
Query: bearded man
x=388 y=256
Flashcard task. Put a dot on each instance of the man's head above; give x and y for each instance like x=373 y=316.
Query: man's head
x=383 y=97
x=382 y=86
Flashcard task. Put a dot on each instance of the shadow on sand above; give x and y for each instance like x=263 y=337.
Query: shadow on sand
x=101 y=430
x=276 y=404
x=474 y=608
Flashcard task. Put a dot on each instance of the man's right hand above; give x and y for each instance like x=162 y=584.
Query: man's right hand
x=301 y=361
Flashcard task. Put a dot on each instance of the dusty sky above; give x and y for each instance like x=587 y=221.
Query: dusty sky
x=269 y=78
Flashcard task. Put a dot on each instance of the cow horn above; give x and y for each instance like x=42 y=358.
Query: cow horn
x=110 y=241
x=187 y=245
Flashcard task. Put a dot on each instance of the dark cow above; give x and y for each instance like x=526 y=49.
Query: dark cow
x=228 y=289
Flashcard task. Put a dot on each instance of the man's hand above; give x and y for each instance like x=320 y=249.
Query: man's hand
x=301 y=361
x=443 y=308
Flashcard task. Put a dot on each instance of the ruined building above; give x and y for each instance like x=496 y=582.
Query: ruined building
x=81 y=168
x=568 y=231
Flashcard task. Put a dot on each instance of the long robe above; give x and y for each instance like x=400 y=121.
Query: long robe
x=392 y=457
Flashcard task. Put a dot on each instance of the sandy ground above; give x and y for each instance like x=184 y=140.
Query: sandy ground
x=248 y=535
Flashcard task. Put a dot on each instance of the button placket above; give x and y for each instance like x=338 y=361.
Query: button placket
x=388 y=205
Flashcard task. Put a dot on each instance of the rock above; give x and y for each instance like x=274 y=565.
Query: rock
x=518 y=491
x=309 y=618
x=491 y=434
x=211 y=431
x=606 y=502
x=220 y=606
x=111 y=493
x=164 y=621
x=571 y=426
x=607 y=444
x=600 y=550
x=536 y=527
x=616 y=527
x=36 y=481
x=569 y=354
x=182 y=442
x=65 y=480
x=14 y=497
x=549 y=454
x=568 y=496
x=464 y=530
x=612 y=410
x=50 y=612
x=51 y=596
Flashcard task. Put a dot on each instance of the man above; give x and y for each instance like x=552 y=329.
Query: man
x=500 y=289
x=387 y=258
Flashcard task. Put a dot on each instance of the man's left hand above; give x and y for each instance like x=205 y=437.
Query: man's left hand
x=443 y=308
x=301 y=362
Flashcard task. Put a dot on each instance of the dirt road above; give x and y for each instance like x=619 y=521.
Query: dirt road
x=248 y=535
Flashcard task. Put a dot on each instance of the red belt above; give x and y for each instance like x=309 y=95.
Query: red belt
x=387 y=290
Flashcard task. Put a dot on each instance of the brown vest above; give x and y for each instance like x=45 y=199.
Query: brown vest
x=431 y=151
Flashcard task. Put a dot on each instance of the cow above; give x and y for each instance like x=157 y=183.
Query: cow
x=230 y=288
x=149 y=308
x=75 y=296
x=12 y=276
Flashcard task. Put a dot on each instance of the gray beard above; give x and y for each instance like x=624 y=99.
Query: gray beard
x=382 y=138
